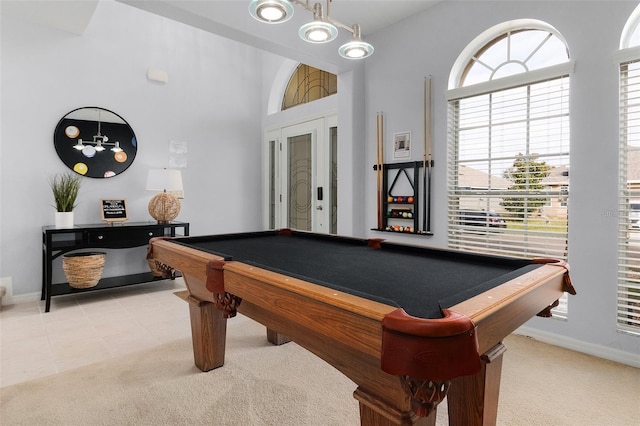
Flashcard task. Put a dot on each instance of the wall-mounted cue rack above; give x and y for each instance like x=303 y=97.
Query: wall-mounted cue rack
x=399 y=204
x=397 y=212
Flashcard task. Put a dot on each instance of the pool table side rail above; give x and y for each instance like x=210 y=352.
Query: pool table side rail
x=181 y=257
x=500 y=311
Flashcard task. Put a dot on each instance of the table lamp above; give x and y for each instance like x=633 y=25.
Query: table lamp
x=165 y=206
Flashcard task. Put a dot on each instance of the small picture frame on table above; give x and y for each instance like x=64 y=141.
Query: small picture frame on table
x=113 y=211
x=401 y=145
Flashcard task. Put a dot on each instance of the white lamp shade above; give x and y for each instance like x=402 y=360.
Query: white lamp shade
x=164 y=180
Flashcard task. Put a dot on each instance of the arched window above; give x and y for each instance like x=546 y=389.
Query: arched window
x=628 y=293
x=508 y=162
x=514 y=52
x=308 y=84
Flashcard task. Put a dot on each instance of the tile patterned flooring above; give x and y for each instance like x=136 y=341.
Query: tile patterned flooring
x=88 y=327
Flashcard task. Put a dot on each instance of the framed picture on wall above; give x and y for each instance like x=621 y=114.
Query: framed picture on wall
x=401 y=145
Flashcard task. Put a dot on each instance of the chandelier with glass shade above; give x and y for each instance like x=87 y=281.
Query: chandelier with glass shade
x=322 y=29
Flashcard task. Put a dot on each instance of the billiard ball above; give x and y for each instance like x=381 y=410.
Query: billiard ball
x=409 y=199
x=389 y=199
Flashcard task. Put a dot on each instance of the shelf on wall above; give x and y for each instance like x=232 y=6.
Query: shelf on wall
x=402 y=203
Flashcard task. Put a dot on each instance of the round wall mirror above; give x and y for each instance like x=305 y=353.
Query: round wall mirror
x=95 y=142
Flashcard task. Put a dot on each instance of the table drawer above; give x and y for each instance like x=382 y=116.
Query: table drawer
x=124 y=237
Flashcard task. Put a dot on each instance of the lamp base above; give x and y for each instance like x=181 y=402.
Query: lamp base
x=164 y=207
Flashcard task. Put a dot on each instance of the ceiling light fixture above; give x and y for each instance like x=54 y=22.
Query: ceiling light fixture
x=318 y=31
x=271 y=11
x=322 y=29
x=356 y=48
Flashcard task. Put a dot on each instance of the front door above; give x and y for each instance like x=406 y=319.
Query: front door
x=301 y=191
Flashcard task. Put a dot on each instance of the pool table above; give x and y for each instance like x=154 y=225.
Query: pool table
x=408 y=324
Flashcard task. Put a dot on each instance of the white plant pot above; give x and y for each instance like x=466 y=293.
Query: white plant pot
x=64 y=220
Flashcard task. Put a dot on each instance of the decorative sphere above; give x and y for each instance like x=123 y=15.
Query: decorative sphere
x=164 y=207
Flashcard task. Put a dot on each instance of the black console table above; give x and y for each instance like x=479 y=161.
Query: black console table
x=56 y=242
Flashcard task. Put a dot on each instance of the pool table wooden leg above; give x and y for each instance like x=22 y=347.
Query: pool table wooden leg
x=473 y=400
x=276 y=338
x=208 y=332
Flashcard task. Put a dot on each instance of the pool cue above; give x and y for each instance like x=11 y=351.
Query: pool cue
x=426 y=157
x=429 y=157
x=378 y=171
x=381 y=170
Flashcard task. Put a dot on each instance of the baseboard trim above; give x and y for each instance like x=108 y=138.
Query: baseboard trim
x=25 y=298
x=583 y=347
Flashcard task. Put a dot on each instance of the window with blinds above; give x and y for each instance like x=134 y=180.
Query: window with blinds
x=509 y=171
x=508 y=141
x=628 y=295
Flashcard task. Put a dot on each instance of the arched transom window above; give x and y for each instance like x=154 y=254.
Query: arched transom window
x=308 y=84
x=514 y=52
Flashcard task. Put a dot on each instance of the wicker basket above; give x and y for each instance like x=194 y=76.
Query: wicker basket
x=83 y=270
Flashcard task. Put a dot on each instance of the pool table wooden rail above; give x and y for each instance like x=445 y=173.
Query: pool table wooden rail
x=500 y=311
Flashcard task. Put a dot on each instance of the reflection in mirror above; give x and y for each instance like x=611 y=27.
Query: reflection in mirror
x=95 y=142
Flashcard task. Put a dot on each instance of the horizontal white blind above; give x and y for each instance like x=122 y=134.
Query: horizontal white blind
x=629 y=200
x=508 y=183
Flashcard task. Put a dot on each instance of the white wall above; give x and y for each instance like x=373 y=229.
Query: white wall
x=428 y=44
x=212 y=101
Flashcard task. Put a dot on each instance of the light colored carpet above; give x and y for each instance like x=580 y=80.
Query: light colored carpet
x=262 y=384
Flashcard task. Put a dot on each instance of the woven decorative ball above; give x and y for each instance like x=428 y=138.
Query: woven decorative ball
x=83 y=270
x=164 y=207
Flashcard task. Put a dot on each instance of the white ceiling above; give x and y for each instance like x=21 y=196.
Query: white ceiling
x=231 y=19
x=372 y=15
x=67 y=16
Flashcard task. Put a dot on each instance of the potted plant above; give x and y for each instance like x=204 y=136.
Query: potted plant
x=65 y=187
